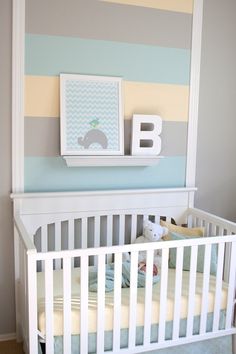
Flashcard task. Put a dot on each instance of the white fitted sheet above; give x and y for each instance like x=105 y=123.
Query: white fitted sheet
x=92 y=308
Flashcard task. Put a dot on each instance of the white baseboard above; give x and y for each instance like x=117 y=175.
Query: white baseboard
x=7 y=336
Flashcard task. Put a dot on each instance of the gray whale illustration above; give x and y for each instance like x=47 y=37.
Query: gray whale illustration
x=93 y=136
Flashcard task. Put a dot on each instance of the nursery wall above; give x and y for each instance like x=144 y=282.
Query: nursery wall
x=216 y=168
x=216 y=142
x=148 y=45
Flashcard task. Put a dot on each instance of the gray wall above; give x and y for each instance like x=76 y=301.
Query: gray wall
x=7 y=308
x=216 y=167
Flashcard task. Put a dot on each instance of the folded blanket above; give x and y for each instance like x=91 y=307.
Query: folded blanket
x=125 y=279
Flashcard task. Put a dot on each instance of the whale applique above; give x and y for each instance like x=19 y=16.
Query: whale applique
x=93 y=136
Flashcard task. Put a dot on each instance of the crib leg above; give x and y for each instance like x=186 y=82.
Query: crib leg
x=234 y=344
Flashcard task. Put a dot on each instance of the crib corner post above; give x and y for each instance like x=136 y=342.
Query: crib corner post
x=32 y=303
x=17 y=280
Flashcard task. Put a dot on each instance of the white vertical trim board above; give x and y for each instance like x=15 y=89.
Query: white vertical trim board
x=18 y=59
x=194 y=93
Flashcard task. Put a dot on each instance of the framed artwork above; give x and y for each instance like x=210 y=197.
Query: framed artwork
x=91 y=115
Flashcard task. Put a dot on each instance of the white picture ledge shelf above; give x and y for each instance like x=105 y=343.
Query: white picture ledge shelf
x=86 y=161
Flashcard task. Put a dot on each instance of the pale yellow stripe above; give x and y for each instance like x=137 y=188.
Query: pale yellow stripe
x=169 y=101
x=42 y=96
x=185 y=6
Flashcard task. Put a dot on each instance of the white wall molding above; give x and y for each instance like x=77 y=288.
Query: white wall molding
x=18 y=58
x=18 y=64
x=194 y=93
x=7 y=336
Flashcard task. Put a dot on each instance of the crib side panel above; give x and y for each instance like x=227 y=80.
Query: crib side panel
x=99 y=230
x=155 y=321
x=214 y=226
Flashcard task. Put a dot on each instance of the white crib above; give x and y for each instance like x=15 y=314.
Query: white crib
x=59 y=237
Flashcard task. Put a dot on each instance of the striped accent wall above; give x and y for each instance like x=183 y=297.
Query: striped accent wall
x=169 y=5
x=147 y=43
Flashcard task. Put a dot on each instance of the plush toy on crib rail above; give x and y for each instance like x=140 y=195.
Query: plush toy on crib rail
x=151 y=233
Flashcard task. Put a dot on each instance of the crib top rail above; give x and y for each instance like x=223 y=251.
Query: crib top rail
x=227 y=225
x=134 y=247
x=38 y=209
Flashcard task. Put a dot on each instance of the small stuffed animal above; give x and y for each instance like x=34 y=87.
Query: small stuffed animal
x=151 y=233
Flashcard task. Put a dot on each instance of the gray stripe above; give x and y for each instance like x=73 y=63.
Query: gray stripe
x=42 y=137
x=99 y=20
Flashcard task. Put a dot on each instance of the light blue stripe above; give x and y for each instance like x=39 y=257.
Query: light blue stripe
x=51 y=55
x=43 y=174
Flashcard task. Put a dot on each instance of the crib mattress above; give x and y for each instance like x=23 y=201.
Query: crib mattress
x=108 y=317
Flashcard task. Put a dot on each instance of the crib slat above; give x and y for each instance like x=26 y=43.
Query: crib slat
x=157 y=219
x=207 y=229
x=71 y=234
x=49 y=305
x=133 y=228
x=67 y=305
x=216 y=316
x=221 y=230
x=121 y=229
x=71 y=237
x=231 y=289
x=163 y=294
x=148 y=297
x=109 y=235
x=84 y=233
x=97 y=231
x=205 y=288
x=101 y=303
x=133 y=298
x=178 y=290
x=57 y=243
x=84 y=304
x=44 y=243
x=227 y=260
x=192 y=287
x=117 y=302
x=97 y=226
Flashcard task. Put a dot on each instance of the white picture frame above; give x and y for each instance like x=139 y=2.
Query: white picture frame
x=91 y=115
